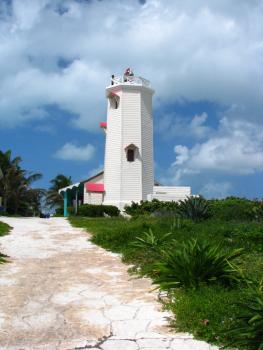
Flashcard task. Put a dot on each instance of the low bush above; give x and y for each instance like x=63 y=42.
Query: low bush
x=194 y=208
x=192 y=263
x=151 y=241
x=151 y=207
x=249 y=331
x=198 y=208
x=92 y=210
x=236 y=209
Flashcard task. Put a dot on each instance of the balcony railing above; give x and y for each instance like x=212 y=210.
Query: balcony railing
x=130 y=80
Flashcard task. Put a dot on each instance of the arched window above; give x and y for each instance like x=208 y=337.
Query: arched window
x=131 y=152
x=130 y=155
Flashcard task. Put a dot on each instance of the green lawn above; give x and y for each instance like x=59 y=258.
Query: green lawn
x=4 y=230
x=207 y=312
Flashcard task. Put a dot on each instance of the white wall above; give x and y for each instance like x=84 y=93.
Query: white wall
x=94 y=197
x=112 y=160
x=170 y=193
x=131 y=174
x=147 y=143
x=131 y=123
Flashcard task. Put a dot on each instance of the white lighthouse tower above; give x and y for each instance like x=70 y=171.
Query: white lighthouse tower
x=128 y=166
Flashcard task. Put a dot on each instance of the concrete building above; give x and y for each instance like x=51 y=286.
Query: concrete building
x=128 y=174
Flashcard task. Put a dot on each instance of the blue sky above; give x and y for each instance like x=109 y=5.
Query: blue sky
x=204 y=60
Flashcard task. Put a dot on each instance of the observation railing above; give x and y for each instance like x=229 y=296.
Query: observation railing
x=130 y=80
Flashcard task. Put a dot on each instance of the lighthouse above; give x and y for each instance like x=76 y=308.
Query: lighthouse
x=128 y=174
x=128 y=164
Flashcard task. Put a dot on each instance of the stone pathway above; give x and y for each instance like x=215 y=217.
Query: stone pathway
x=60 y=291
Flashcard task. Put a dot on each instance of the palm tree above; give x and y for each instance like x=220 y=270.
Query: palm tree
x=25 y=199
x=53 y=198
x=10 y=168
x=15 y=185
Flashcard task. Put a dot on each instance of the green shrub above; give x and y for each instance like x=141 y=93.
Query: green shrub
x=249 y=331
x=111 y=210
x=92 y=210
x=237 y=209
x=198 y=208
x=194 y=208
x=150 y=207
x=59 y=211
x=195 y=262
x=151 y=241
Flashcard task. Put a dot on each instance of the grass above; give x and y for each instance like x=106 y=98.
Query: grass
x=207 y=312
x=4 y=230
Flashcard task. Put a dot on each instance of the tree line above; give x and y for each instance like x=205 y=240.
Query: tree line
x=17 y=194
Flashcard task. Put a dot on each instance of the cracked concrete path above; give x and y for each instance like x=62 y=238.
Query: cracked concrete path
x=60 y=291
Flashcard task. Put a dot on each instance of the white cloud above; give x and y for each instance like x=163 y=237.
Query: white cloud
x=75 y=153
x=236 y=148
x=70 y=89
x=182 y=154
x=191 y=50
x=197 y=125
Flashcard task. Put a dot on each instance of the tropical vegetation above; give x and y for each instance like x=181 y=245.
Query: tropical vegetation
x=194 y=262
x=195 y=208
x=209 y=262
x=18 y=195
x=249 y=330
x=92 y=210
x=53 y=198
x=4 y=230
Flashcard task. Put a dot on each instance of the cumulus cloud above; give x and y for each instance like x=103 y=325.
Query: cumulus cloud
x=76 y=153
x=190 y=50
x=70 y=89
x=182 y=154
x=236 y=148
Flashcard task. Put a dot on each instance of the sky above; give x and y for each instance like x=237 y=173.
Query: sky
x=204 y=60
